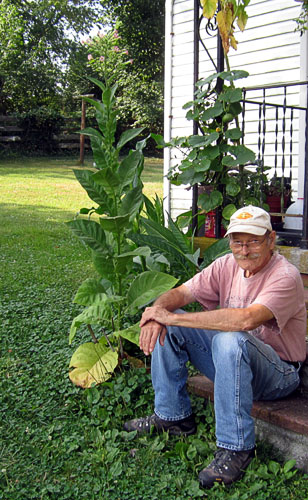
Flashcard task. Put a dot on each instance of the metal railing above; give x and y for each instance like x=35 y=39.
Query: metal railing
x=274 y=125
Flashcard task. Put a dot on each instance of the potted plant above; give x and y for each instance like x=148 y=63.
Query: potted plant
x=278 y=198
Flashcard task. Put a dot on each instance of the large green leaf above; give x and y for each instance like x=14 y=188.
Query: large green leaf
x=233 y=187
x=177 y=236
x=232 y=75
x=209 y=152
x=235 y=108
x=231 y=95
x=160 y=142
x=212 y=112
x=173 y=235
x=104 y=264
x=189 y=176
x=209 y=8
x=131 y=202
x=108 y=179
x=194 y=258
x=155 y=228
x=97 y=82
x=99 y=106
x=107 y=125
x=203 y=140
x=132 y=333
x=161 y=246
x=92 y=364
x=90 y=232
x=94 y=190
x=108 y=95
x=127 y=136
x=209 y=202
x=122 y=261
x=228 y=211
x=209 y=79
x=94 y=314
x=99 y=154
x=128 y=168
x=114 y=224
x=242 y=155
x=147 y=287
x=203 y=165
x=90 y=292
x=137 y=252
x=92 y=132
x=233 y=134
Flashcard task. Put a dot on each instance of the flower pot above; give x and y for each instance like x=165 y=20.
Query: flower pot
x=274 y=203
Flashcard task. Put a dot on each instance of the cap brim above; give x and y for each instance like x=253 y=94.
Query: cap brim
x=242 y=228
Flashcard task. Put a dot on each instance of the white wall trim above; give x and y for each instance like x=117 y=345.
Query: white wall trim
x=167 y=101
x=303 y=102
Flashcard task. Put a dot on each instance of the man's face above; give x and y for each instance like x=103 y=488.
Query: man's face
x=252 y=252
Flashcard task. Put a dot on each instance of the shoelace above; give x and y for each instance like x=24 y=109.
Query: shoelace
x=147 y=421
x=221 y=457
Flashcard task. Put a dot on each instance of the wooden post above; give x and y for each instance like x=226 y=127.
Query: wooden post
x=82 y=126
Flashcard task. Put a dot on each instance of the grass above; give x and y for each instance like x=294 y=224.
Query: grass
x=58 y=441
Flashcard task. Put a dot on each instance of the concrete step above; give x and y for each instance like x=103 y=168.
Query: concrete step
x=283 y=423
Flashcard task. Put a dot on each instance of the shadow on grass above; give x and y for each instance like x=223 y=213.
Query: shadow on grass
x=16 y=212
x=44 y=168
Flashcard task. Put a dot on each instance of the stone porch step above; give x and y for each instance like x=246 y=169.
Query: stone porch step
x=290 y=413
x=283 y=423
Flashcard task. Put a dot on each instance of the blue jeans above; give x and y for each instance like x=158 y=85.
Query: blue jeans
x=242 y=367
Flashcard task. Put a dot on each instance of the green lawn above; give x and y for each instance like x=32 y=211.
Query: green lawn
x=60 y=442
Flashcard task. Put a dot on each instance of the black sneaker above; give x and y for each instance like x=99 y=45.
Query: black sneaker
x=228 y=466
x=144 y=425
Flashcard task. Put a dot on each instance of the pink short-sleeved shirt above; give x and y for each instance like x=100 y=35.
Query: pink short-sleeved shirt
x=278 y=286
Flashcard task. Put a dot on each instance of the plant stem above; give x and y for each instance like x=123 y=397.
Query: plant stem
x=94 y=338
x=121 y=348
x=108 y=341
x=227 y=63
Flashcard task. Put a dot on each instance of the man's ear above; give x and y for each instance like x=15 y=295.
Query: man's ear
x=272 y=237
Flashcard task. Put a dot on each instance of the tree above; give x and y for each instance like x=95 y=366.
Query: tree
x=140 y=23
x=37 y=38
x=139 y=26
x=43 y=64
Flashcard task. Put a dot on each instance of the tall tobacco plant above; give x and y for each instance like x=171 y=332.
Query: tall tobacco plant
x=113 y=298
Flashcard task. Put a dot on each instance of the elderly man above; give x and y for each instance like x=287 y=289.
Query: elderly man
x=250 y=340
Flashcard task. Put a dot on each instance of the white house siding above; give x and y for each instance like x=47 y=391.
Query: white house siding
x=269 y=49
x=179 y=66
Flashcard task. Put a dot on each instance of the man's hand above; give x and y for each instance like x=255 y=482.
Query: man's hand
x=149 y=335
x=154 y=319
x=156 y=313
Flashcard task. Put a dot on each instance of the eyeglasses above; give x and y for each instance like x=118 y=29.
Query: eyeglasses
x=251 y=245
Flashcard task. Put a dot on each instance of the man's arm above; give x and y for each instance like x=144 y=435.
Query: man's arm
x=232 y=319
x=151 y=329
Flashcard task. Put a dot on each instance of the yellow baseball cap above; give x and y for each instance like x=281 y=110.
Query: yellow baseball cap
x=251 y=220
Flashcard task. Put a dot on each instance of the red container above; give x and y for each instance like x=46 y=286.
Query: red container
x=210 y=224
x=209 y=229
